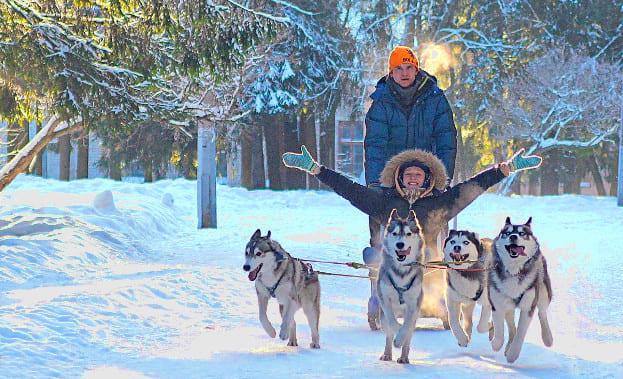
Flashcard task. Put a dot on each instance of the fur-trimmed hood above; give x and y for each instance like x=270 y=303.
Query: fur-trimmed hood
x=439 y=178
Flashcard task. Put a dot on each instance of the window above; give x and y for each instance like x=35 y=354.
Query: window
x=349 y=154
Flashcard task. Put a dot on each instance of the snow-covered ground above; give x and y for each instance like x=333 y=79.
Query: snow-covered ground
x=103 y=279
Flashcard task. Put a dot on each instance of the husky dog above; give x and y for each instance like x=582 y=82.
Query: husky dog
x=518 y=279
x=399 y=282
x=293 y=283
x=467 y=284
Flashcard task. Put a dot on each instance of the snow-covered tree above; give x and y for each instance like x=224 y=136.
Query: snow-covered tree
x=114 y=64
x=563 y=99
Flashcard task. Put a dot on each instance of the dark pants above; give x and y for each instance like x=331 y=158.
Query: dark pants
x=375 y=233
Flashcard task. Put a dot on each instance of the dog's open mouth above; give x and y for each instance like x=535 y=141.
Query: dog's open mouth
x=401 y=255
x=515 y=250
x=253 y=274
x=458 y=257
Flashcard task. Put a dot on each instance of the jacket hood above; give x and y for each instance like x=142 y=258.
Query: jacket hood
x=439 y=178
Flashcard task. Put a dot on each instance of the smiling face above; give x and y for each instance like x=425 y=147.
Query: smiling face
x=404 y=74
x=516 y=242
x=461 y=246
x=413 y=177
x=403 y=239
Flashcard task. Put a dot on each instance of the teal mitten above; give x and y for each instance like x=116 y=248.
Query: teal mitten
x=302 y=161
x=520 y=162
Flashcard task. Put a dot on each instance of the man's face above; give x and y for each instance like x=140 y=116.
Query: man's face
x=404 y=74
x=413 y=178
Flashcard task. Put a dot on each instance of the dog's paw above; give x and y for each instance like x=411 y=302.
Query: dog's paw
x=314 y=345
x=546 y=335
x=402 y=360
x=462 y=340
x=283 y=333
x=271 y=332
x=512 y=353
x=496 y=343
x=386 y=357
x=292 y=343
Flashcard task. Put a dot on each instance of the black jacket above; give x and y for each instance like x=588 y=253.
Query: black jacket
x=433 y=211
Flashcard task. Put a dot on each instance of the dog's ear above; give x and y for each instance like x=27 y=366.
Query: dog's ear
x=508 y=220
x=268 y=235
x=393 y=214
x=256 y=235
x=529 y=222
x=452 y=232
x=412 y=215
x=476 y=236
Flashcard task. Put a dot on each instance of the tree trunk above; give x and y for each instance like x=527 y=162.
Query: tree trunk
x=573 y=174
x=308 y=135
x=64 y=151
x=516 y=186
x=148 y=172
x=294 y=178
x=233 y=161
x=614 y=175
x=21 y=161
x=593 y=168
x=252 y=158
x=550 y=176
x=82 y=170
x=39 y=157
x=258 y=180
x=273 y=134
x=533 y=183
x=245 y=159
x=114 y=165
x=409 y=35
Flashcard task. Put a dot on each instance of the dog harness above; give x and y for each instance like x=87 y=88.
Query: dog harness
x=401 y=290
x=271 y=290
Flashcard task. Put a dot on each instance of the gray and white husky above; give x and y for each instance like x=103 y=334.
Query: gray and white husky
x=467 y=283
x=518 y=279
x=292 y=282
x=399 y=282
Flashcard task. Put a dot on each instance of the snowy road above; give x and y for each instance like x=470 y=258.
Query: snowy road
x=126 y=286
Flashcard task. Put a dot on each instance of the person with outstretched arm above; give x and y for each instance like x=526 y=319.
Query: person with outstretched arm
x=415 y=180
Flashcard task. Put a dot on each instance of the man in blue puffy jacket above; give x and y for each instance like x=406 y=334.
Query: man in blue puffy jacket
x=408 y=111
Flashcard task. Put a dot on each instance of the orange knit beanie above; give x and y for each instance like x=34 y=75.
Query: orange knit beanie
x=400 y=55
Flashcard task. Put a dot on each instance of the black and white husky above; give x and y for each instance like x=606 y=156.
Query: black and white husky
x=518 y=279
x=292 y=282
x=467 y=283
x=399 y=283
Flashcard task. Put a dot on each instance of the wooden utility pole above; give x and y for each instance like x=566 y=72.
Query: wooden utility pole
x=620 y=174
x=206 y=174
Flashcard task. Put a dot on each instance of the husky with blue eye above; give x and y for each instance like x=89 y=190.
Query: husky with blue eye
x=518 y=279
x=292 y=282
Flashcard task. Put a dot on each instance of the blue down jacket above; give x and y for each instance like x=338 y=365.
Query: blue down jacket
x=429 y=126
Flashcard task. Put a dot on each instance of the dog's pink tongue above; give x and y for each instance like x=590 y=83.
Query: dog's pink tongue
x=253 y=274
x=405 y=252
x=519 y=250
